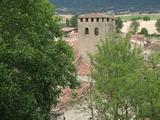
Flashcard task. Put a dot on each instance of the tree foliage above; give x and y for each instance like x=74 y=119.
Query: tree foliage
x=116 y=70
x=126 y=85
x=134 y=27
x=119 y=24
x=148 y=96
x=158 y=25
x=33 y=66
x=67 y=22
x=73 y=21
x=144 y=31
x=146 y=18
x=136 y=18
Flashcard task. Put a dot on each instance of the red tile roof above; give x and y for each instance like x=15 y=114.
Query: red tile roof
x=69 y=95
x=73 y=34
x=137 y=37
x=83 y=68
x=69 y=29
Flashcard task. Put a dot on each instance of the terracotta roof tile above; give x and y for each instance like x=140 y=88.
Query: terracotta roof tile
x=137 y=37
x=73 y=34
x=67 y=97
x=69 y=29
x=83 y=68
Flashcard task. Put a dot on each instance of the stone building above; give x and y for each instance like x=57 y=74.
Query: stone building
x=92 y=28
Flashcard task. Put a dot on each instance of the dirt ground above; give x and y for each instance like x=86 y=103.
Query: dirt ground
x=149 y=25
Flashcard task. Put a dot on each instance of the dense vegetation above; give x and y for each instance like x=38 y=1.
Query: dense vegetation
x=118 y=24
x=126 y=85
x=158 y=25
x=139 y=17
x=33 y=66
x=72 y=22
x=144 y=31
x=136 y=18
x=146 y=18
x=134 y=27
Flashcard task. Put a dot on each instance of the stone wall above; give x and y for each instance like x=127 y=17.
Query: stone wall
x=89 y=41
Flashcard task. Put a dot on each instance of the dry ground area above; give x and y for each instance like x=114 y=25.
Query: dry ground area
x=149 y=25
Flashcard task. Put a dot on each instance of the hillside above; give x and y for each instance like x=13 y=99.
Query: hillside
x=79 y=6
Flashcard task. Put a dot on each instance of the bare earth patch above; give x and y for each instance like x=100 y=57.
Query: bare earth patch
x=149 y=25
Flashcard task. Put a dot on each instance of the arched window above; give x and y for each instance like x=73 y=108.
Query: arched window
x=96 y=31
x=86 y=31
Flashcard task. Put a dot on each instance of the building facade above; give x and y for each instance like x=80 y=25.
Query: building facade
x=93 y=28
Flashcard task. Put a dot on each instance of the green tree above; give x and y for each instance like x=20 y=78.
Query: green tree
x=148 y=96
x=144 y=31
x=146 y=18
x=158 y=25
x=134 y=27
x=136 y=18
x=119 y=24
x=34 y=67
x=116 y=68
x=67 y=22
x=73 y=21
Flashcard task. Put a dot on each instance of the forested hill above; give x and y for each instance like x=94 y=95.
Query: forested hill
x=106 y=5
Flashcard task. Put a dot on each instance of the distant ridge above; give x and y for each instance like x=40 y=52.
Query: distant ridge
x=82 y=6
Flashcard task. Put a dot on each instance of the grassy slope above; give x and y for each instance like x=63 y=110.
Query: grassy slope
x=129 y=16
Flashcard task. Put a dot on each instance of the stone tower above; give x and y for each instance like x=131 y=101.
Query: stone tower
x=93 y=28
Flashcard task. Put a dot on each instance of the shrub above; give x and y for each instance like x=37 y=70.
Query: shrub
x=119 y=24
x=158 y=25
x=73 y=21
x=134 y=27
x=136 y=18
x=146 y=18
x=144 y=31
